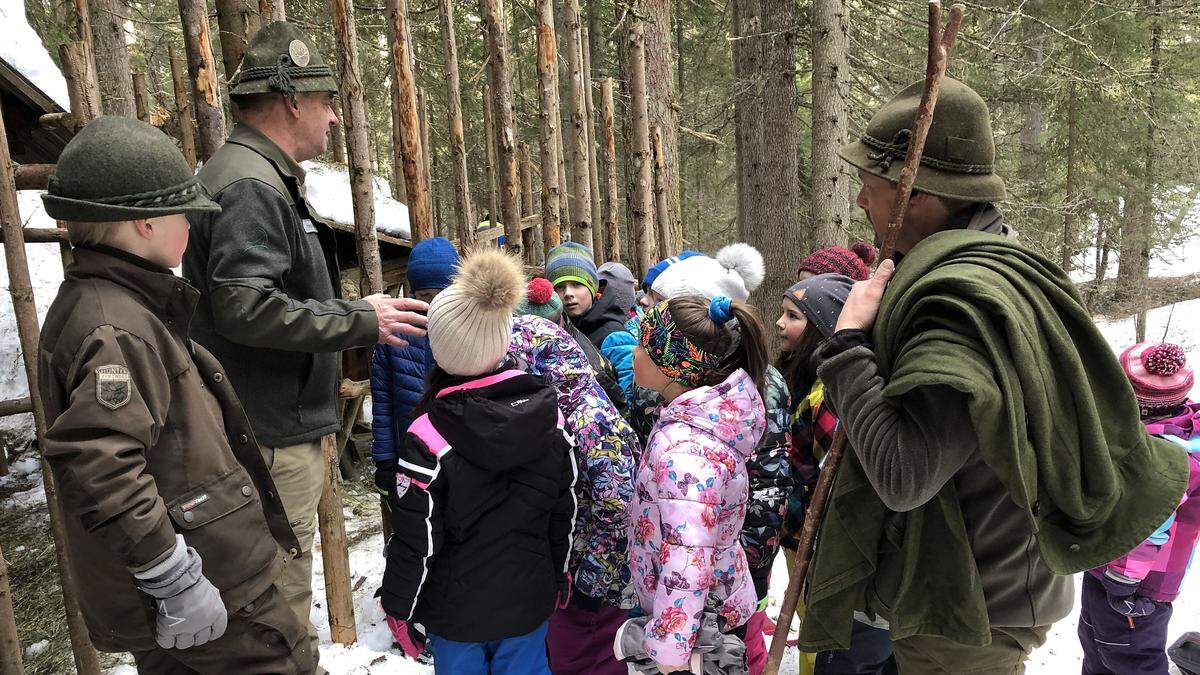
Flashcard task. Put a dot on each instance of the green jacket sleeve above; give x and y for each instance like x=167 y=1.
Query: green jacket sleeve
x=254 y=241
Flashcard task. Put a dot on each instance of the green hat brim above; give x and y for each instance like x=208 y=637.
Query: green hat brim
x=83 y=211
x=579 y=279
x=323 y=83
x=962 y=186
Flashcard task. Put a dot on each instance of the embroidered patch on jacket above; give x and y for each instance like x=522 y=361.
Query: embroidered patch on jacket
x=114 y=387
x=402 y=484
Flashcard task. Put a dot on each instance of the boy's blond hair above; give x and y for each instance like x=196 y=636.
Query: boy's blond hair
x=91 y=234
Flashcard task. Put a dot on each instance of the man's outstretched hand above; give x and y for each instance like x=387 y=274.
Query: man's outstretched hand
x=863 y=304
x=397 y=317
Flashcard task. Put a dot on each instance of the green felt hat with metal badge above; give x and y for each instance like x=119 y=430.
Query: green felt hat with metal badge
x=282 y=59
x=118 y=169
x=960 y=151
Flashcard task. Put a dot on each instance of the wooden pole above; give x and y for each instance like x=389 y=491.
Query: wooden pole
x=528 y=235
x=33 y=176
x=940 y=45
x=489 y=135
x=547 y=69
x=464 y=216
x=337 y=136
x=111 y=56
x=409 y=127
x=335 y=553
x=237 y=22
x=183 y=108
x=202 y=68
x=506 y=142
x=612 y=238
x=427 y=153
x=29 y=334
x=16 y=406
x=581 y=186
x=141 y=99
x=662 y=216
x=82 y=88
x=593 y=160
x=362 y=181
x=641 y=219
x=10 y=643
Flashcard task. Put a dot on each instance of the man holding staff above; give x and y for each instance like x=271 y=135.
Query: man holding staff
x=994 y=444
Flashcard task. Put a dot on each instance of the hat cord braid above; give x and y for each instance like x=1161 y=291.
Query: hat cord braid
x=168 y=196
x=885 y=153
x=282 y=73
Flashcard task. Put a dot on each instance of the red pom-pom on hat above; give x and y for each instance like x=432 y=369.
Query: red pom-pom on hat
x=539 y=291
x=864 y=251
x=1164 y=359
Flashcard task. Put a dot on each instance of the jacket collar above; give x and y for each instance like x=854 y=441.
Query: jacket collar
x=170 y=298
x=245 y=135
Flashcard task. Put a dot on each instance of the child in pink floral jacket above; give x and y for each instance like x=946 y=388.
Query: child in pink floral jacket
x=691 y=486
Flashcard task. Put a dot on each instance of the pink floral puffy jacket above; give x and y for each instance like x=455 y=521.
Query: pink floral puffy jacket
x=687 y=514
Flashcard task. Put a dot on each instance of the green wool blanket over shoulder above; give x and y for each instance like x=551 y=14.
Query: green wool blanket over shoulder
x=1054 y=416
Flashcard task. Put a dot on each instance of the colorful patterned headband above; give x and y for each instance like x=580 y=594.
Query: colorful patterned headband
x=676 y=356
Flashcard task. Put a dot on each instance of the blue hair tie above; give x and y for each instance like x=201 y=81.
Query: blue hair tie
x=718 y=310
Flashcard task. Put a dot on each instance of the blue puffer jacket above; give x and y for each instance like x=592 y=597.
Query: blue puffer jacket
x=397 y=385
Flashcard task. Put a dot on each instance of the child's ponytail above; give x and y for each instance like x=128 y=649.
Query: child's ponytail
x=726 y=327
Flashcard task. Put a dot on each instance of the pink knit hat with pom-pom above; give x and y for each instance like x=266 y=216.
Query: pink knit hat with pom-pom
x=1160 y=375
x=854 y=262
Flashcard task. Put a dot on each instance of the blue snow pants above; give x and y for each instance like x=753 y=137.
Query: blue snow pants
x=521 y=655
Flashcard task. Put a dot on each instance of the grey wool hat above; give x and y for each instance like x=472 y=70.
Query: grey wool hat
x=116 y=169
x=960 y=151
x=821 y=299
x=282 y=59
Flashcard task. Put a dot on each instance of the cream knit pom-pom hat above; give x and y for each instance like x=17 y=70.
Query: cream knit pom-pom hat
x=470 y=323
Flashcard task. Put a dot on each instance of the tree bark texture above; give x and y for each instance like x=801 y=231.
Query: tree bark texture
x=830 y=125
x=464 y=217
x=184 y=116
x=337 y=136
x=506 y=143
x=612 y=238
x=662 y=218
x=577 y=141
x=593 y=159
x=237 y=22
x=271 y=11
x=11 y=662
x=660 y=96
x=335 y=549
x=1072 y=181
x=82 y=87
x=427 y=151
x=528 y=236
x=362 y=181
x=547 y=68
x=112 y=56
x=489 y=136
x=409 y=127
x=202 y=67
x=141 y=99
x=641 y=219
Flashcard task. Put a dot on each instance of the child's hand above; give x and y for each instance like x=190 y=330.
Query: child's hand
x=410 y=638
x=1123 y=598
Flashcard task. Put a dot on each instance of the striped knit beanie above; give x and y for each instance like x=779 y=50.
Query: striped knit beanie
x=541 y=300
x=1160 y=376
x=854 y=262
x=572 y=261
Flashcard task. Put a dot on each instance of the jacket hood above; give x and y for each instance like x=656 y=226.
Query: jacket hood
x=731 y=412
x=497 y=422
x=605 y=316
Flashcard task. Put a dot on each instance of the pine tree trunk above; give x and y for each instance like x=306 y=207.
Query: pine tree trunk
x=830 y=89
x=112 y=56
x=581 y=186
x=660 y=95
x=271 y=11
x=202 y=68
x=237 y=22
x=593 y=160
x=409 y=128
x=141 y=99
x=547 y=68
x=183 y=108
x=641 y=220
x=337 y=137
x=463 y=217
x=612 y=237
x=747 y=110
x=662 y=218
x=506 y=143
x=489 y=137
x=1072 y=186
x=427 y=153
x=10 y=643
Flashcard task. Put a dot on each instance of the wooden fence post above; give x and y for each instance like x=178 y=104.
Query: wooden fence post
x=641 y=218
x=335 y=558
x=183 y=108
x=502 y=118
x=464 y=216
x=11 y=662
x=612 y=239
x=662 y=216
x=29 y=334
x=547 y=68
x=409 y=127
x=202 y=68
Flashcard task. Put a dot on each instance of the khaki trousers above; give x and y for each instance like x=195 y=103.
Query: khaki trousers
x=932 y=655
x=298 y=472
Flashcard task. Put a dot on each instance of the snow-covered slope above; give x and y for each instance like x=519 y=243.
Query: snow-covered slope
x=22 y=49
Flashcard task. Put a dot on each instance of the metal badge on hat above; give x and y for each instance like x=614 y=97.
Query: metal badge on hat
x=299 y=53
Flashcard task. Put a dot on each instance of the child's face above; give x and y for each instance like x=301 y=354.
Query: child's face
x=646 y=374
x=576 y=298
x=167 y=239
x=790 y=326
x=650 y=299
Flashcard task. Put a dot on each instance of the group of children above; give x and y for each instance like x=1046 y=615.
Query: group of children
x=583 y=475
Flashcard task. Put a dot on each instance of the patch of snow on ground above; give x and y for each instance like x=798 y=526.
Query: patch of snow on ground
x=36 y=648
x=328 y=190
x=22 y=49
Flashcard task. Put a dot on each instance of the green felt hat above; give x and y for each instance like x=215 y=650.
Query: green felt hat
x=282 y=59
x=959 y=156
x=117 y=169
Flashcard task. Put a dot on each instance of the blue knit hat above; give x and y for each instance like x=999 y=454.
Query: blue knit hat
x=432 y=264
x=572 y=261
x=662 y=265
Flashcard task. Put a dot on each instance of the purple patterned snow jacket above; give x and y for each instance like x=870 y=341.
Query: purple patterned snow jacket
x=687 y=513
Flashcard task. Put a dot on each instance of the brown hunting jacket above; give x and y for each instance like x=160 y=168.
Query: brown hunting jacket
x=146 y=438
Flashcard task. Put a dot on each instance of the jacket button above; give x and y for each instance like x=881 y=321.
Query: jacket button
x=271 y=495
x=1073 y=548
x=188 y=516
x=243 y=439
x=247 y=490
x=293 y=552
x=218 y=377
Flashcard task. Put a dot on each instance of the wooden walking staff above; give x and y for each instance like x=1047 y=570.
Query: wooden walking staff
x=940 y=44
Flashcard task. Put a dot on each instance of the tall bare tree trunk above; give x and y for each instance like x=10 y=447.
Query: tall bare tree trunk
x=660 y=96
x=489 y=165
x=337 y=136
x=237 y=22
x=506 y=142
x=183 y=108
x=662 y=217
x=747 y=110
x=547 y=68
x=202 y=67
x=593 y=160
x=112 y=56
x=427 y=151
x=830 y=89
x=464 y=217
x=141 y=99
x=641 y=220
x=1072 y=187
x=612 y=237
x=581 y=186
x=409 y=127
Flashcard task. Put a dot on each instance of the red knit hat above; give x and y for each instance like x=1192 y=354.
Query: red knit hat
x=1160 y=375
x=854 y=262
